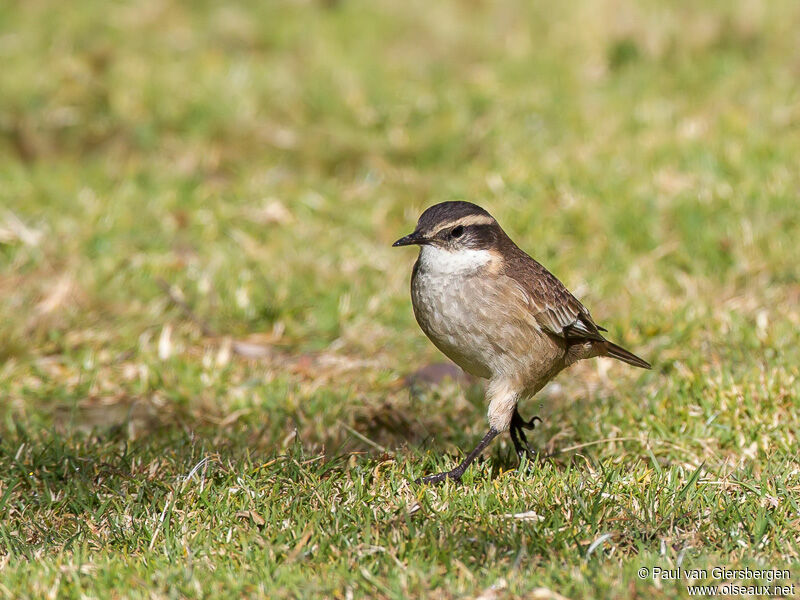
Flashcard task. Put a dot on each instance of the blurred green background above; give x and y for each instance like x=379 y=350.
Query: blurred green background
x=197 y=202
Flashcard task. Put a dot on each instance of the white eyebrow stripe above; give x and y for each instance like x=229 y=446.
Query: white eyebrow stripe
x=465 y=222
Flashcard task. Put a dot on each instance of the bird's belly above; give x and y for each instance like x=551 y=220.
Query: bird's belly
x=483 y=332
x=468 y=324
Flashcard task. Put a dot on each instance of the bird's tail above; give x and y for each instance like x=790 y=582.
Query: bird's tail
x=618 y=352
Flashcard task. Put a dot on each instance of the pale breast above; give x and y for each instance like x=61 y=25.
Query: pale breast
x=479 y=322
x=445 y=315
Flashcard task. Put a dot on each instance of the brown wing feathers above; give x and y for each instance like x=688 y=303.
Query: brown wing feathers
x=558 y=311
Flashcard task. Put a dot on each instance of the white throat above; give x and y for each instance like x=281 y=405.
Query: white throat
x=438 y=261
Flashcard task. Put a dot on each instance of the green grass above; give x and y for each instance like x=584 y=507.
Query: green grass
x=258 y=159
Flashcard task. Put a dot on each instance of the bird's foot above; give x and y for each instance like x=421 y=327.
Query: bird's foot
x=525 y=452
x=530 y=425
x=527 y=455
x=455 y=475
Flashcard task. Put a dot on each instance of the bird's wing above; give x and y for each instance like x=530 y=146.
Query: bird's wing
x=555 y=309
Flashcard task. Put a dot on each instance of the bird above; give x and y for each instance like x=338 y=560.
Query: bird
x=499 y=315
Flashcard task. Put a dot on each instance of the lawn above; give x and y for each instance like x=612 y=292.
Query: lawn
x=211 y=380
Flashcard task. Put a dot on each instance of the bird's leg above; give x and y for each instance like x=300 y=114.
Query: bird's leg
x=525 y=449
x=521 y=445
x=519 y=448
x=459 y=470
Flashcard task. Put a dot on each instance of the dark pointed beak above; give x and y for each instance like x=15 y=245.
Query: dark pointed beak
x=410 y=240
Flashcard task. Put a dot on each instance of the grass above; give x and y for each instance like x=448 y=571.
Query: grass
x=206 y=337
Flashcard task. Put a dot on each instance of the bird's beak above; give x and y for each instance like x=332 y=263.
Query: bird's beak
x=411 y=239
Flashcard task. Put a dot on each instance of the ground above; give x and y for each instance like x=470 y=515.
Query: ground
x=211 y=378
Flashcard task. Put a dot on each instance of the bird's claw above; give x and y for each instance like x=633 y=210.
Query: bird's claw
x=438 y=478
x=521 y=445
x=530 y=425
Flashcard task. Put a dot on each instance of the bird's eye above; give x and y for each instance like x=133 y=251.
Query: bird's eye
x=457 y=232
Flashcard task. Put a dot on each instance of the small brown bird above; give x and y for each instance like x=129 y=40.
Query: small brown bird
x=498 y=314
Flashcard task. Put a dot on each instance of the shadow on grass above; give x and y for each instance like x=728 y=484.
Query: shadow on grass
x=133 y=456
x=427 y=419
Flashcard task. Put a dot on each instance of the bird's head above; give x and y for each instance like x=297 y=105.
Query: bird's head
x=458 y=238
x=455 y=226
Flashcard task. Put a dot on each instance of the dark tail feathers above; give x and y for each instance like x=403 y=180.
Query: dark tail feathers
x=620 y=353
